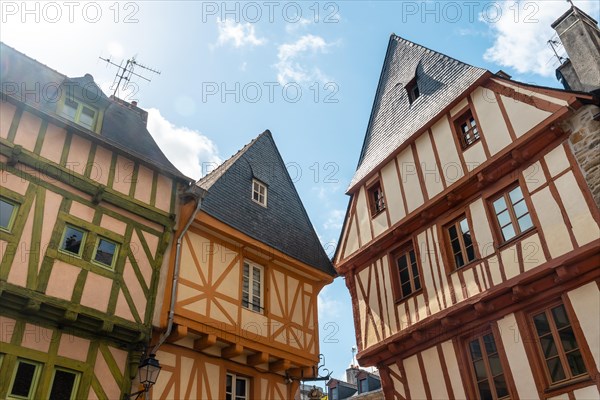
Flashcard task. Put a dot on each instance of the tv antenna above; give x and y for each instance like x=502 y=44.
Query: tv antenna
x=553 y=44
x=125 y=73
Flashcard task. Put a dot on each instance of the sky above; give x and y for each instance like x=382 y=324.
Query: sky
x=305 y=70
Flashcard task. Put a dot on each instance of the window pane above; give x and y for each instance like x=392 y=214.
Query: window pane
x=452 y=232
x=567 y=338
x=556 y=370
x=520 y=208
x=480 y=372
x=541 y=324
x=406 y=290
x=504 y=218
x=508 y=232
x=548 y=346
x=464 y=226
x=240 y=387
x=475 y=350
x=72 y=240
x=417 y=283
x=515 y=195
x=404 y=276
x=560 y=317
x=525 y=222
x=412 y=257
x=470 y=253
x=576 y=363
x=455 y=246
x=484 y=391
x=501 y=387
x=105 y=252
x=228 y=385
x=490 y=345
x=415 y=270
x=495 y=366
x=6 y=212
x=70 y=109
x=500 y=205
x=402 y=263
x=458 y=259
x=63 y=385
x=86 y=118
x=23 y=382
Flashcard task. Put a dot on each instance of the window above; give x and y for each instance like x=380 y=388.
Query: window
x=557 y=345
x=259 y=192
x=78 y=112
x=486 y=369
x=467 y=129
x=252 y=287
x=512 y=213
x=24 y=380
x=334 y=393
x=413 y=90
x=73 y=240
x=104 y=253
x=237 y=388
x=461 y=244
x=64 y=385
x=376 y=198
x=363 y=386
x=8 y=212
x=407 y=272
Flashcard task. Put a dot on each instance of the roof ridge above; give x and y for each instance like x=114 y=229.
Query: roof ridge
x=400 y=38
x=33 y=59
x=224 y=166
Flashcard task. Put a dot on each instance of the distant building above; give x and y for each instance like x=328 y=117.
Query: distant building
x=359 y=384
x=87 y=207
x=471 y=244
x=245 y=275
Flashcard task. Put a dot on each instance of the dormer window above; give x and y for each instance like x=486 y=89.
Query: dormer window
x=80 y=113
x=259 y=192
x=413 y=90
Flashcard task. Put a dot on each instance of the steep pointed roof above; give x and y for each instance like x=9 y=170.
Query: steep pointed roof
x=440 y=79
x=38 y=85
x=284 y=224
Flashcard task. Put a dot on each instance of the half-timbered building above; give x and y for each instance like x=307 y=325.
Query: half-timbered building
x=87 y=201
x=239 y=313
x=471 y=245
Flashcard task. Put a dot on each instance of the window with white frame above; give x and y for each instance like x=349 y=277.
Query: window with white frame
x=24 y=380
x=80 y=113
x=237 y=387
x=259 y=192
x=252 y=287
x=64 y=384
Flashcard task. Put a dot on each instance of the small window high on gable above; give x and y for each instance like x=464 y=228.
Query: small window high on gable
x=259 y=192
x=82 y=114
x=413 y=90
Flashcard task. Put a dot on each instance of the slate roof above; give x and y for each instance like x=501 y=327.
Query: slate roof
x=39 y=86
x=284 y=224
x=440 y=79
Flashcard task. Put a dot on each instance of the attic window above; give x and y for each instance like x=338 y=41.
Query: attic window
x=413 y=90
x=259 y=192
x=80 y=113
x=467 y=128
x=376 y=198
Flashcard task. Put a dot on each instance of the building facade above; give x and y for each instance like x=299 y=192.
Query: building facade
x=87 y=205
x=471 y=244
x=239 y=313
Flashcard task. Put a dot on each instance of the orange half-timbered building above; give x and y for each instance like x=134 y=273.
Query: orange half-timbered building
x=239 y=313
x=471 y=244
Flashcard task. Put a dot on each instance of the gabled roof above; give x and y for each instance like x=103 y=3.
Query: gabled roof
x=284 y=224
x=40 y=86
x=440 y=79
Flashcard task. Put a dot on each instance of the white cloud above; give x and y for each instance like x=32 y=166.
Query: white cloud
x=291 y=65
x=186 y=148
x=329 y=307
x=521 y=34
x=335 y=219
x=239 y=34
x=302 y=23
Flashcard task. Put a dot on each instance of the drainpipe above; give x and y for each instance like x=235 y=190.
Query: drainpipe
x=199 y=194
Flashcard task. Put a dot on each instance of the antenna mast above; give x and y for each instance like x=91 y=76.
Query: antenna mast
x=125 y=73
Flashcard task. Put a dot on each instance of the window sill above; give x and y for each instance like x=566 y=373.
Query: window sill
x=520 y=236
x=374 y=215
x=413 y=294
x=467 y=147
x=469 y=265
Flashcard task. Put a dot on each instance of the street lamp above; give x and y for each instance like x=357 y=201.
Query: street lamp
x=148 y=374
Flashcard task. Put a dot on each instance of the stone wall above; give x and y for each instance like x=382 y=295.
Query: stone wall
x=585 y=143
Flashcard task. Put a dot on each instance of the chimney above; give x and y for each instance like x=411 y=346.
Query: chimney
x=132 y=106
x=580 y=36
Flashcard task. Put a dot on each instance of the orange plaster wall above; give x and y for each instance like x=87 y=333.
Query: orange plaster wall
x=164 y=185
x=96 y=292
x=143 y=188
x=37 y=338
x=123 y=174
x=82 y=211
x=74 y=347
x=28 y=131
x=79 y=152
x=62 y=280
x=20 y=265
x=54 y=141
x=113 y=224
x=105 y=377
x=101 y=168
x=7 y=112
x=7 y=328
x=51 y=208
x=13 y=182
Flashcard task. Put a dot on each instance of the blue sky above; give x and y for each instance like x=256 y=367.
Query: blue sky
x=306 y=70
